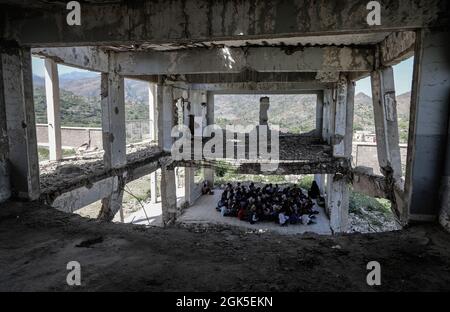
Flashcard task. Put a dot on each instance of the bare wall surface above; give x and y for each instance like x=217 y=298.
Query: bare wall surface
x=431 y=97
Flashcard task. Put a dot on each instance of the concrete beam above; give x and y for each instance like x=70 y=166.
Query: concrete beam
x=251 y=76
x=236 y=60
x=264 y=87
x=78 y=198
x=203 y=20
x=428 y=125
x=89 y=58
x=397 y=47
x=53 y=109
x=20 y=121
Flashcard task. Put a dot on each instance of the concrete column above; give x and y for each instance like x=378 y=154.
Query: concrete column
x=444 y=216
x=340 y=118
x=53 y=109
x=18 y=104
x=386 y=122
x=319 y=115
x=165 y=116
x=209 y=172
x=153 y=115
x=5 y=187
x=153 y=187
x=330 y=103
x=114 y=138
x=428 y=132
x=338 y=192
x=168 y=196
x=338 y=202
x=321 y=131
x=152 y=98
x=189 y=184
x=188 y=171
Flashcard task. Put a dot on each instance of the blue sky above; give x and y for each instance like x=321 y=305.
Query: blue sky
x=402 y=75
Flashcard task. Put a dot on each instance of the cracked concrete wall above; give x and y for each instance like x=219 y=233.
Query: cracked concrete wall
x=185 y=21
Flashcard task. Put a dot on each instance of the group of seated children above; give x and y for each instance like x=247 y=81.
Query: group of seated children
x=285 y=206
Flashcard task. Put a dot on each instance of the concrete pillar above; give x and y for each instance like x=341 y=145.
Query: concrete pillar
x=53 y=109
x=188 y=171
x=328 y=120
x=152 y=98
x=428 y=132
x=386 y=122
x=153 y=115
x=168 y=196
x=5 y=188
x=209 y=172
x=338 y=201
x=340 y=118
x=153 y=187
x=322 y=107
x=338 y=192
x=18 y=104
x=165 y=112
x=444 y=216
x=189 y=184
x=165 y=117
x=319 y=115
x=114 y=138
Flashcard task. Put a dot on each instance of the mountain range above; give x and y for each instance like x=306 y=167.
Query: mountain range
x=80 y=106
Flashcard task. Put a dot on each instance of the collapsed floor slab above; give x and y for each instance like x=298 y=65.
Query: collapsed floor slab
x=63 y=177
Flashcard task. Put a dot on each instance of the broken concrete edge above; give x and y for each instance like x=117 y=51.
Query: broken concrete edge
x=130 y=171
x=328 y=166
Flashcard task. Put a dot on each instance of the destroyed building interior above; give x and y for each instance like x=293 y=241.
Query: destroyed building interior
x=189 y=52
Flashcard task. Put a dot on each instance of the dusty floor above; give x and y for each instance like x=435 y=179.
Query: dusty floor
x=36 y=243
